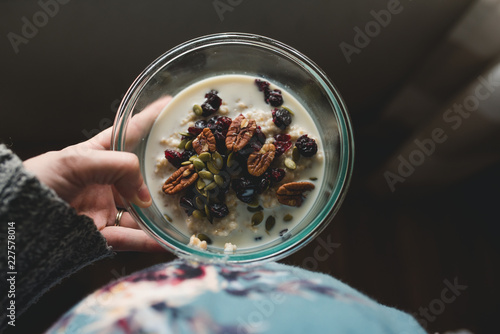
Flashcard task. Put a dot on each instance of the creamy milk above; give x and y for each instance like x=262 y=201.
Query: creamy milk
x=240 y=95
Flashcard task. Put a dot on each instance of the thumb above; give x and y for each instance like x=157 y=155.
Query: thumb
x=120 y=169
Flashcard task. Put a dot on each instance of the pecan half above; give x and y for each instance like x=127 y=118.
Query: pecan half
x=292 y=193
x=205 y=142
x=181 y=179
x=258 y=162
x=239 y=133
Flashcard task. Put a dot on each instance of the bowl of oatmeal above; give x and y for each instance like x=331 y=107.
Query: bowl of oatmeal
x=249 y=160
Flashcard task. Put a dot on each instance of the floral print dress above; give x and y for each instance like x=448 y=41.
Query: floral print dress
x=185 y=297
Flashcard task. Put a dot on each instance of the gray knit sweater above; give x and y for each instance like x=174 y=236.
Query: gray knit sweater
x=46 y=238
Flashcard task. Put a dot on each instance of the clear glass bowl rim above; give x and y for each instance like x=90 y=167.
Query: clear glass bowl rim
x=346 y=160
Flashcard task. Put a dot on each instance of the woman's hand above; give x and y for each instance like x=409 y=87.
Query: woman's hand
x=91 y=179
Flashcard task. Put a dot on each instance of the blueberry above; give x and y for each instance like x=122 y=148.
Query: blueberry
x=218 y=210
x=245 y=189
x=211 y=104
x=274 y=98
x=306 y=146
x=282 y=118
x=174 y=157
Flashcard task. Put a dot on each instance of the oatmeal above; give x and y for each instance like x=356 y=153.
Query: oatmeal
x=234 y=162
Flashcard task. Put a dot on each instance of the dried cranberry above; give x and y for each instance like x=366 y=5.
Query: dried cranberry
x=218 y=210
x=220 y=140
x=222 y=124
x=244 y=188
x=211 y=104
x=282 y=118
x=282 y=147
x=307 y=146
x=259 y=135
x=188 y=204
x=262 y=85
x=174 y=157
x=276 y=175
x=274 y=98
x=282 y=137
x=195 y=131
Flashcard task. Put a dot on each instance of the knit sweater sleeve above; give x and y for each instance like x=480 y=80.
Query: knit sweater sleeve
x=42 y=239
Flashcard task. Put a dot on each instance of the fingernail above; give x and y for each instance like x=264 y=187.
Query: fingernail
x=143 y=197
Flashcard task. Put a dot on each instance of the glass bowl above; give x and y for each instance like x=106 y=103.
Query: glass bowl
x=240 y=53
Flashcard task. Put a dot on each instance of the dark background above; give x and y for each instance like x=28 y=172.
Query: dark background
x=397 y=246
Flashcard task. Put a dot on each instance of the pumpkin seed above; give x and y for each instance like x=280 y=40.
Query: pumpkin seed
x=257 y=218
x=295 y=154
x=198 y=214
x=254 y=203
x=205 y=174
x=187 y=172
x=197 y=110
x=289 y=110
x=290 y=164
x=217 y=159
x=185 y=134
x=185 y=163
x=198 y=164
x=200 y=203
x=230 y=159
x=207 y=210
x=193 y=157
x=205 y=156
x=204 y=237
x=313 y=178
x=287 y=217
x=200 y=184
x=167 y=217
x=211 y=167
x=203 y=193
x=211 y=186
x=182 y=144
x=219 y=180
x=189 y=145
x=270 y=222
x=251 y=209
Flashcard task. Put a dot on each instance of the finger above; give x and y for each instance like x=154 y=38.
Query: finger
x=127 y=221
x=118 y=198
x=126 y=239
x=120 y=169
x=138 y=126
